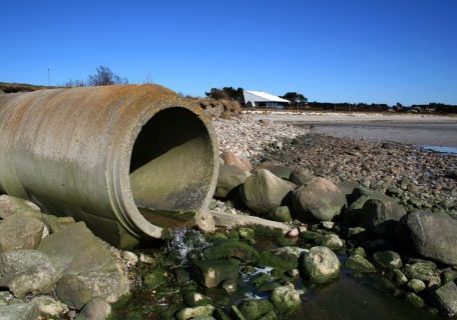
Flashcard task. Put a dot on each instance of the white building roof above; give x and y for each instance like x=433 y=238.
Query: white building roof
x=265 y=96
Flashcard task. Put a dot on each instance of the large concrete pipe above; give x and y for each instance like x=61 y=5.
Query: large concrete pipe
x=131 y=161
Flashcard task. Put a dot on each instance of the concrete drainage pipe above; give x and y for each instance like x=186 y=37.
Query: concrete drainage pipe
x=130 y=161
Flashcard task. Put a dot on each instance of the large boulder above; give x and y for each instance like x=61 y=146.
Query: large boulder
x=20 y=232
x=430 y=235
x=27 y=271
x=321 y=265
x=318 y=199
x=263 y=191
x=88 y=266
x=380 y=217
x=75 y=290
x=229 y=178
x=445 y=299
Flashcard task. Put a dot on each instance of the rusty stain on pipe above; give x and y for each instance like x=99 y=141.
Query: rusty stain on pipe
x=128 y=160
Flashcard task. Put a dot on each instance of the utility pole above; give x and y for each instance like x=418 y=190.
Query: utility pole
x=49 y=76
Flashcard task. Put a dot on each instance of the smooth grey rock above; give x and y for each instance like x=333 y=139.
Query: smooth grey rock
x=20 y=232
x=90 y=269
x=321 y=264
x=229 y=178
x=445 y=298
x=380 y=216
x=76 y=290
x=318 y=199
x=27 y=271
x=95 y=309
x=430 y=235
x=20 y=311
x=263 y=191
x=281 y=214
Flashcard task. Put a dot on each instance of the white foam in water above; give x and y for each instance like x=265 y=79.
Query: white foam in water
x=257 y=271
x=450 y=150
x=185 y=241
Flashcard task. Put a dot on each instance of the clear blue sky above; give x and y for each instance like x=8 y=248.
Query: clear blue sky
x=329 y=50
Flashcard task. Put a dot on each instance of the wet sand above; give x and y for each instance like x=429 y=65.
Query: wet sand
x=423 y=134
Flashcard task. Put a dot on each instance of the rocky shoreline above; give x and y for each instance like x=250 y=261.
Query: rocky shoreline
x=353 y=208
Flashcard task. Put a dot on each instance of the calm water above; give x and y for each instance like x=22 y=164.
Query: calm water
x=435 y=135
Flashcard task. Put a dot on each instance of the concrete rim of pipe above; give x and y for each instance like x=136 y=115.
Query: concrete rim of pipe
x=129 y=214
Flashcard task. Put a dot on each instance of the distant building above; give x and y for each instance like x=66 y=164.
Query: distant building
x=263 y=99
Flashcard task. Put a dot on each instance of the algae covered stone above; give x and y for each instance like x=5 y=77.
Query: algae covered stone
x=388 y=259
x=222 y=249
x=195 y=312
x=255 y=309
x=155 y=278
x=212 y=272
x=321 y=265
x=285 y=299
x=360 y=264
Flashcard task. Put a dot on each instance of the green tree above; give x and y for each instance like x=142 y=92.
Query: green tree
x=226 y=93
x=295 y=98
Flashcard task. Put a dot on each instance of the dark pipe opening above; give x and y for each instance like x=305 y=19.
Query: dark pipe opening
x=171 y=166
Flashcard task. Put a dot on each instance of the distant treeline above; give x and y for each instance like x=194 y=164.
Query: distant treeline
x=378 y=107
x=345 y=106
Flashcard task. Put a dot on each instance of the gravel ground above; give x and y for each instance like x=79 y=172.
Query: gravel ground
x=248 y=137
x=419 y=179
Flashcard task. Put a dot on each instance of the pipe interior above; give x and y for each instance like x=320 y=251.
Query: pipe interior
x=171 y=167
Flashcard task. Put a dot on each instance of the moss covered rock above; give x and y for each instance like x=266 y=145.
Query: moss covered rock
x=211 y=273
x=192 y=313
x=360 y=264
x=255 y=309
x=223 y=249
x=285 y=299
x=321 y=265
